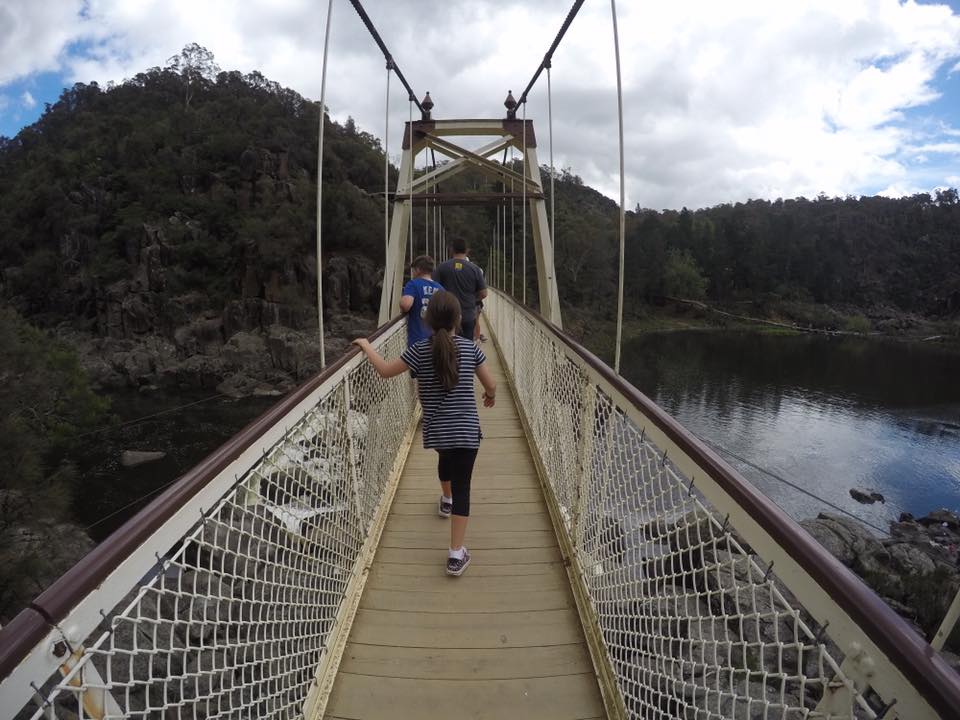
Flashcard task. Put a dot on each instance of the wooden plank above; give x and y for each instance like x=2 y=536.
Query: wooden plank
x=478 y=496
x=467 y=601
x=492 y=583
x=478 y=523
x=437 y=556
x=436 y=570
x=555 y=698
x=471 y=630
x=482 y=480
x=429 y=509
x=475 y=541
x=465 y=663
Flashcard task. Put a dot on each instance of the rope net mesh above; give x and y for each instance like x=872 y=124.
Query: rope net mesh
x=694 y=623
x=232 y=623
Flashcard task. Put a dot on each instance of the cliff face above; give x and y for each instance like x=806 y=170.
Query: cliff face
x=174 y=245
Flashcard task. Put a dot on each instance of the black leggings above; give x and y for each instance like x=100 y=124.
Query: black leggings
x=455 y=466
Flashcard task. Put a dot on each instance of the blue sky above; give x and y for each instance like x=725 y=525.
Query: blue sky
x=723 y=101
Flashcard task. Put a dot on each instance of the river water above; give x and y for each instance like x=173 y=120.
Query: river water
x=186 y=426
x=825 y=413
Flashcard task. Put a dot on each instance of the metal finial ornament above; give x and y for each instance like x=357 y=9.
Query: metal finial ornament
x=511 y=105
x=427 y=105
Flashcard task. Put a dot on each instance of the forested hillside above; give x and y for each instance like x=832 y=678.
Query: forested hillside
x=187 y=193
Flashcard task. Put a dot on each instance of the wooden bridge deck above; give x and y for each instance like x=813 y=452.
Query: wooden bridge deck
x=503 y=640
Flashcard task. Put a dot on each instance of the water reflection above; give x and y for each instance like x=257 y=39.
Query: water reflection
x=827 y=413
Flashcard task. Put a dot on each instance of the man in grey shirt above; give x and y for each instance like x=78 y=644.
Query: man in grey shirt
x=465 y=280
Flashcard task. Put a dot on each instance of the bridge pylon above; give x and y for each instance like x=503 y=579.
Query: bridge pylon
x=424 y=134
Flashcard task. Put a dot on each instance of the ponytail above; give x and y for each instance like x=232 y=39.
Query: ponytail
x=443 y=317
x=446 y=365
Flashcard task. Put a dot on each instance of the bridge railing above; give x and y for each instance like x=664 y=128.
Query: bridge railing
x=230 y=594
x=700 y=598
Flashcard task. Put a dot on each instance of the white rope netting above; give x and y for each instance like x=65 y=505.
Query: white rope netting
x=232 y=622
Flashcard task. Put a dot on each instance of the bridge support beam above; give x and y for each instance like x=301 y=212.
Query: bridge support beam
x=397 y=243
x=509 y=133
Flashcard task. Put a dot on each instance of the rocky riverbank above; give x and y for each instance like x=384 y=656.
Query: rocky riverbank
x=916 y=570
x=254 y=345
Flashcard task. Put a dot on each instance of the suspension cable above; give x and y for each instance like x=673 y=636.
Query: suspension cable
x=513 y=224
x=386 y=170
x=436 y=231
x=323 y=100
x=358 y=6
x=524 y=203
x=616 y=48
x=410 y=175
x=545 y=64
x=503 y=236
x=553 y=194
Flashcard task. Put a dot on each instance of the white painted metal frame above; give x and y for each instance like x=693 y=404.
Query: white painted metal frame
x=461 y=159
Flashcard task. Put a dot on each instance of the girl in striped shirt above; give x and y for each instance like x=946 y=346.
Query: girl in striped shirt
x=444 y=365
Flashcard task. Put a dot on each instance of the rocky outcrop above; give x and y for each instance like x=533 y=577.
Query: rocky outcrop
x=916 y=569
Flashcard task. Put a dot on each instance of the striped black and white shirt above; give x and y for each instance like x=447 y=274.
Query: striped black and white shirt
x=450 y=419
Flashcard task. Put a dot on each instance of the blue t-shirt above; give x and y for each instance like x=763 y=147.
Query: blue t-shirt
x=421 y=290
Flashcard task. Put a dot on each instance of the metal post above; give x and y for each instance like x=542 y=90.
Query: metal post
x=949 y=622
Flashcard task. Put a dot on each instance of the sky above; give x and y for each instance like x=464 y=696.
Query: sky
x=723 y=101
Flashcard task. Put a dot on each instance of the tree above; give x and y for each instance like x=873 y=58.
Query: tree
x=196 y=66
x=682 y=277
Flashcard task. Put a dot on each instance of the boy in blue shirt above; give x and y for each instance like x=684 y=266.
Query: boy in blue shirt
x=416 y=296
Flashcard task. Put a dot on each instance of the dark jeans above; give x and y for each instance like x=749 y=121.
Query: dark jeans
x=456 y=467
x=467 y=328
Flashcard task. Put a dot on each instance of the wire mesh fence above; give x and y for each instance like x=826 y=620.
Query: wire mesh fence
x=233 y=621
x=694 y=622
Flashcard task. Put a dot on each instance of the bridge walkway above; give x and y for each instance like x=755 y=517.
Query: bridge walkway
x=502 y=641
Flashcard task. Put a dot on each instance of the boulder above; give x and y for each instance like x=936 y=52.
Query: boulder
x=848 y=541
x=943 y=518
x=132 y=458
x=866 y=497
x=908 y=559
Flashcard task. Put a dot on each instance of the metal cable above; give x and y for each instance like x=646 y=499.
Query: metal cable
x=524 y=203
x=616 y=48
x=410 y=177
x=553 y=194
x=358 y=6
x=323 y=100
x=545 y=64
x=386 y=171
x=781 y=479
x=513 y=224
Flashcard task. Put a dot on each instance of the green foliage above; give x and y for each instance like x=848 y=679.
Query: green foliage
x=45 y=402
x=857 y=324
x=682 y=277
x=232 y=156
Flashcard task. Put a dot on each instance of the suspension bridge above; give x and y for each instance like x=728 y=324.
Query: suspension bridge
x=621 y=568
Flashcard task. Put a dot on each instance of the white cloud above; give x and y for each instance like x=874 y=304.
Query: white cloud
x=33 y=35
x=723 y=101
x=28 y=100
x=951 y=148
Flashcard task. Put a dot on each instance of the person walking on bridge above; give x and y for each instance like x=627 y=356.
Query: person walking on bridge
x=465 y=280
x=444 y=365
x=416 y=296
